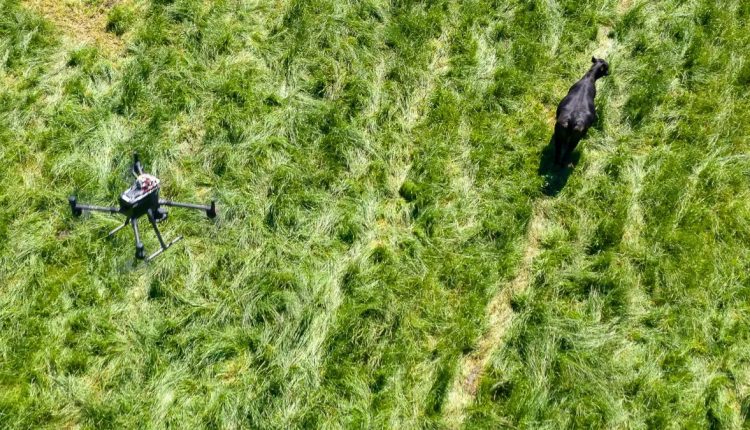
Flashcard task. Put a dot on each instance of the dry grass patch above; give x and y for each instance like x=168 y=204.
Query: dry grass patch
x=81 y=21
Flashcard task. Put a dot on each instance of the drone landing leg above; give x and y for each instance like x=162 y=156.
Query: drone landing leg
x=164 y=246
x=140 y=252
x=111 y=233
x=209 y=209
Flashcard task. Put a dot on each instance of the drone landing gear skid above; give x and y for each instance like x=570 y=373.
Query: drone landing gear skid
x=142 y=199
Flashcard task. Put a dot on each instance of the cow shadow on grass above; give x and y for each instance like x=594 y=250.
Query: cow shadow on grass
x=555 y=177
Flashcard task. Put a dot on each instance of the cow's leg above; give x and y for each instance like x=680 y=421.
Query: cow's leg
x=558 y=151
x=559 y=140
x=572 y=144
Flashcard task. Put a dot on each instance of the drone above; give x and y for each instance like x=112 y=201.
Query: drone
x=142 y=198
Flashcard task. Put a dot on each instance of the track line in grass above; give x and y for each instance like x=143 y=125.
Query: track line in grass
x=415 y=109
x=386 y=219
x=632 y=230
x=499 y=316
x=604 y=41
x=499 y=310
x=438 y=67
x=416 y=104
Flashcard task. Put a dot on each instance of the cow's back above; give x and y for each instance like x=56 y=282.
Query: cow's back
x=577 y=107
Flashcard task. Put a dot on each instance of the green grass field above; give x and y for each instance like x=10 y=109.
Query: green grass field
x=380 y=171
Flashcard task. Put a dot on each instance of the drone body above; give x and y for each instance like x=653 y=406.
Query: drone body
x=142 y=198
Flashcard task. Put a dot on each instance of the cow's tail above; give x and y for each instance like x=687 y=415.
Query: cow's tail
x=578 y=124
x=574 y=122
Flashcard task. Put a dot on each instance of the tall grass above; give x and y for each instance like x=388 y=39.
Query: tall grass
x=376 y=164
x=637 y=315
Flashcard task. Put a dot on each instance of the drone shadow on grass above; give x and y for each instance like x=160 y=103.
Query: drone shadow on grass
x=555 y=177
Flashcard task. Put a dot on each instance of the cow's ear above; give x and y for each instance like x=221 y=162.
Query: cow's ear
x=593 y=59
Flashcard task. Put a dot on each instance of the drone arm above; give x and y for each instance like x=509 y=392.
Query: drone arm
x=210 y=209
x=78 y=209
x=98 y=208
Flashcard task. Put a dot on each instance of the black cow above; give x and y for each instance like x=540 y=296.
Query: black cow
x=576 y=112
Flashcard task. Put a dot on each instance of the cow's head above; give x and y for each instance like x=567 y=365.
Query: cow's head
x=601 y=67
